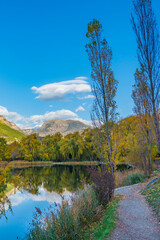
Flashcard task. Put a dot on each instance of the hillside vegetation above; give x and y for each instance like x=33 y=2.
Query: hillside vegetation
x=152 y=194
x=9 y=133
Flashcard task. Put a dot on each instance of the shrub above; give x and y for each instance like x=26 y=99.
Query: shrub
x=127 y=177
x=104 y=183
x=134 y=178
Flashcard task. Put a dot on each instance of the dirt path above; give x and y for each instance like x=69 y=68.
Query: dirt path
x=136 y=219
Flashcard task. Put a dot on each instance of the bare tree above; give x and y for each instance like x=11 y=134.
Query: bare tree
x=104 y=86
x=148 y=50
x=143 y=109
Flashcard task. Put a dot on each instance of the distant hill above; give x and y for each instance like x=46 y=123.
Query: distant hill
x=9 y=130
x=57 y=125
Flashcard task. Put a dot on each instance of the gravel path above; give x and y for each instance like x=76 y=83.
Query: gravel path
x=136 y=219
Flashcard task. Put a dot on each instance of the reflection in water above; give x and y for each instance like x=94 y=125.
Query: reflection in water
x=5 y=177
x=39 y=187
x=54 y=178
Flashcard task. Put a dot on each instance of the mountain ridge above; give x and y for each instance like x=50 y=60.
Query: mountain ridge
x=54 y=126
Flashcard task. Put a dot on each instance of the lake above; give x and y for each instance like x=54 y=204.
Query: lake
x=39 y=187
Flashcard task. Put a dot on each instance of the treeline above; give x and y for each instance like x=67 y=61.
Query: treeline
x=126 y=145
x=75 y=146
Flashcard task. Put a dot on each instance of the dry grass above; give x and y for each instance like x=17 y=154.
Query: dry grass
x=77 y=163
x=85 y=206
x=24 y=164
x=3 y=164
x=121 y=177
x=67 y=222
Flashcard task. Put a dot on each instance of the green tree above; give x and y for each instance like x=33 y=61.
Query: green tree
x=50 y=149
x=104 y=87
x=14 y=151
x=31 y=147
x=90 y=151
x=3 y=148
x=72 y=146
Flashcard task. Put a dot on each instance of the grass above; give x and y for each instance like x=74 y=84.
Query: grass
x=10 y=186
x=77 y=163
x=66 y=222
x=103 y=229
x=23 y=163
x=9 y=133
x=152 y=195
x=129 y=177
x=3 y=164
x=83 y=217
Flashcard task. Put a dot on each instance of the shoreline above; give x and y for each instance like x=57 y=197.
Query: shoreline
x=23 y=163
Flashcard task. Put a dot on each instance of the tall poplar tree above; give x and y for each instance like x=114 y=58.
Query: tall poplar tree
x=148 y=50
x=143 y=109
x=104 y=87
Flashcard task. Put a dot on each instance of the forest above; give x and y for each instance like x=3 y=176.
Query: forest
x=126 y=143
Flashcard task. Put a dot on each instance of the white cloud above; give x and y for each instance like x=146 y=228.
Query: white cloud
x=11 y=116
x=36 y=121
x=81 y=78
x=87 y=122
x=51 y=197
x=60 y=90
x=62 y=114
x=87 y=97
x=50 y=106
x=79 y=109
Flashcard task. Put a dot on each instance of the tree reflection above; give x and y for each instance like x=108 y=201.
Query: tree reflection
x=53 y=179
x=6 y=177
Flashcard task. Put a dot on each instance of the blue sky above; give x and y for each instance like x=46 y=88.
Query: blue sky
x=43 y=42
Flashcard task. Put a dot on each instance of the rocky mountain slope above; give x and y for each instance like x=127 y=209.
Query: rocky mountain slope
x=10 y=124
x=9 y=130
x=57 y=125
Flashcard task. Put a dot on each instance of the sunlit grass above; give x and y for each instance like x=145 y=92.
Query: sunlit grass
x=23 y=163
x=152 y=195
x=9 y=133
x=10 y=186
x=103 y=229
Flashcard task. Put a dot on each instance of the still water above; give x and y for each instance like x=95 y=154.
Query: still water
x=39 y=187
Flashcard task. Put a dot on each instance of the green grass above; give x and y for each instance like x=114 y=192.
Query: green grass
x=103 y=229
x=10 y=186
x=134 y=178
x=9 y=133
x=152 y=195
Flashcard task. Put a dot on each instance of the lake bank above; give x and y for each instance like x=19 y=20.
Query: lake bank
x=23 y=163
